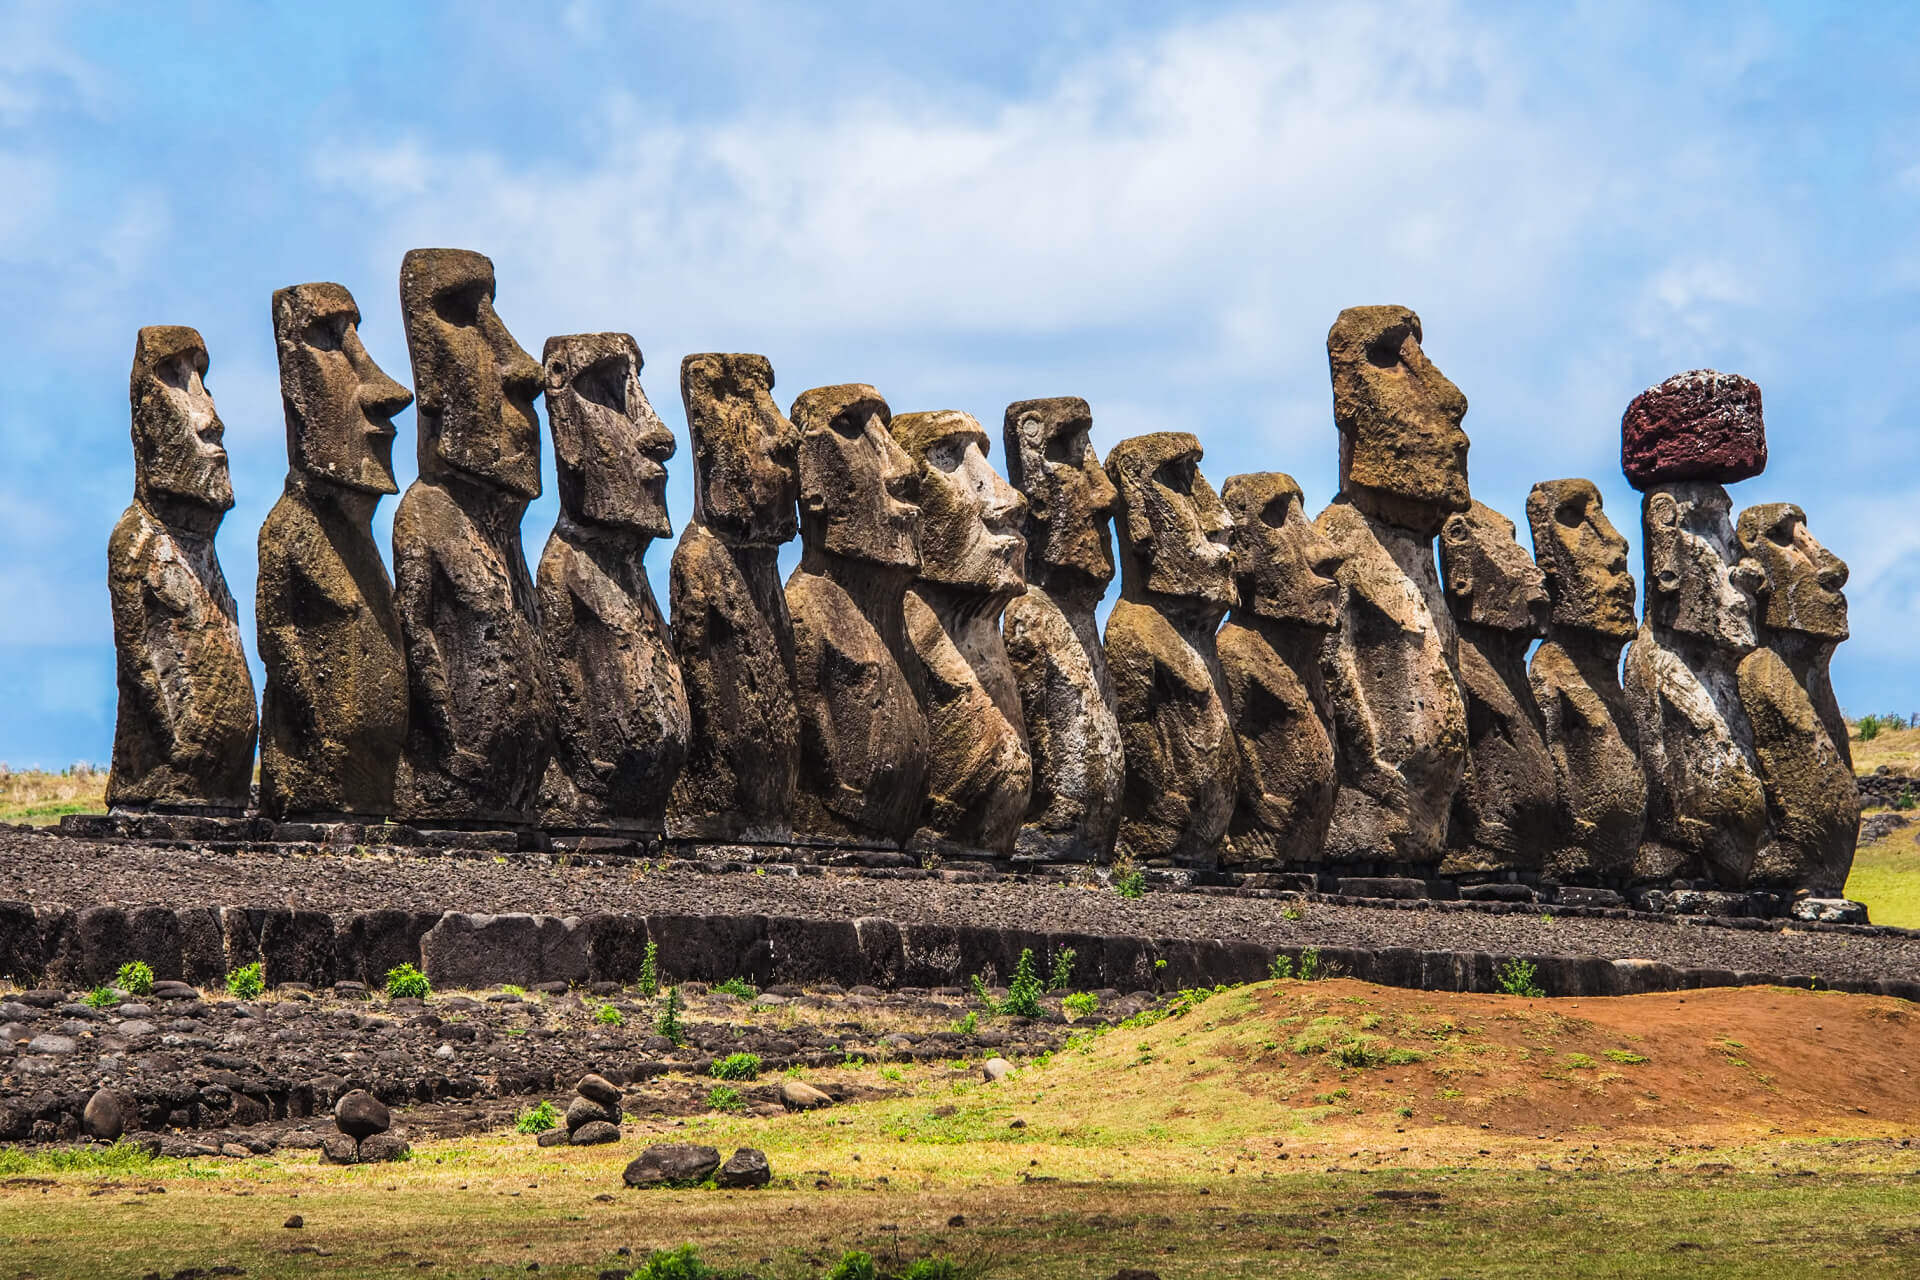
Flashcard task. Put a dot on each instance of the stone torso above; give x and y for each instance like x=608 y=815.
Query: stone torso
x=1283 y=724
x=1804 y=759
x=1073 y=729
x=1590 y=733
x=1503 y=815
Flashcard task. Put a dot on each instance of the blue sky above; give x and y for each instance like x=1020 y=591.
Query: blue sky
x=1159 y=208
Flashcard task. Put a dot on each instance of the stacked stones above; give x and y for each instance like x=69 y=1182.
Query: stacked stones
x=1365 y=710
x=592 y=1117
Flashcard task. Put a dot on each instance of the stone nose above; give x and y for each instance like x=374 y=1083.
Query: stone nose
x=1833 y=571
x=1102 y=496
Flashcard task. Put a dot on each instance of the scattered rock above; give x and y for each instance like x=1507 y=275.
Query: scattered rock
x=746 y=1167
x=105 y=1117
x=995 y=1069
x=585 y=1111
x=384 y=1146
x=339 y=1149
x=797 y=1095
x=595 y=1132
x=360 y=1115
x=294 y=1223
x=51 y=1044
x=672 y=1164
x=555 y=1137
x=598 y=1089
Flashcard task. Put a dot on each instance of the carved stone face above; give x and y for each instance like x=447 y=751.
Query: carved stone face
x=339 y=403
x=476 y=385
x=1801 y=592
x=1283 y=565
x=1178 y=535
x=1697 y=583
x=1403 y=456
x=611 y=447
x=177 y=454
x=746 y=473
x=1050 y=458
x=1489 y=577
x=859 y=491
x=969 y=517
x=1583 y=557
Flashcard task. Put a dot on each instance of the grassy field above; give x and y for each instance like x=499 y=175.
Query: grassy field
x=40 y=798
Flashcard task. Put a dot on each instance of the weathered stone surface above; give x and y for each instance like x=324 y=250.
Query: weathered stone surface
x=1053 y=640
x=594 y=1133
x=672 y=1164
x=1590 y=729
x=106 y=1115
x=863 y=741
x=1799 y=735
x=184 y=734
x=621 y=719
x=597 y=1088
x=1503 y=813
x=1701 y=425
x=1270 y=657
x=469 y=950
x=1400 y=737
x=731 y=628
x=972 y=561
x=1707 y=812
x=798 y=1095
x=480 y=714
x=360 y=1115
x=745 y=1168
x=1176 y=581
x=584 y=1110
x=334 y=717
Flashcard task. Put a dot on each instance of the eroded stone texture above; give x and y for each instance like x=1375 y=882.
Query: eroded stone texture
x=972 y=561
x=1176 y=581
x=479 y=712
x=334 y=717
x=730 y=623
x=185 y=728
x=1400 y=724
x=1701 y=425
x=621 y=720
x=1707 y=811
x=1590 y=730
x=863 y=741
x=1503 y=813
x=1289 y=600
x=1053 y=640
x=1799 y=735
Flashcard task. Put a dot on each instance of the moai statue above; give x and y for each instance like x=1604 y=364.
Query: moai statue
x=1798 y=733
x=185 y=730
x=1503 y=814
x=479 y=713
x=1400 y=724
x=1576 y=684
x=1270 y=655
x=1176 y=582
x=972 y=561
x=1053 y=640
x=334 y=718
x=621 y=719
x=730 y=623
x=863 y=741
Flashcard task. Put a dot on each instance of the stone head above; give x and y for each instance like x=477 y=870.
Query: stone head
x=177 y=454
x=859 y=491
x=1283 y=566
x=476 y=386
x=1697 y=582
x=1071 y=501
x=1801 y=588
x=609 y=446
x=1489 y=578
x=970 y=518
x=1176 y=537
x=339 y=403
x=746 y=471
x=1403 y=455
x=1583 y=557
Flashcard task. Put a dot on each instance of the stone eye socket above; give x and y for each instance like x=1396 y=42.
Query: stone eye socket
x=327 y=334
x=1274 y=514
x=460 y=306
x=604 y=384
x=1176 y=474
x=1067 y=448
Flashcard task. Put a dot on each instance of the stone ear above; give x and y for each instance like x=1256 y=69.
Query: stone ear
x=1663 y=537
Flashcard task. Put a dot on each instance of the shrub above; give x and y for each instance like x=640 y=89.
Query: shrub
x=650 y=976
x=537 y=1119
x=1062 y=976
x=404 y=982
x=969 y=1024
x=1280 y=968
x=724 y=1097
x=1079 y=1005
x=1905 y=800
x=736 y=1066
x=683 y=1263
x=738 y=987
x=669 y=1022
x=608 y=1016
x=135 y=978
x=1516 y=978
x=1131 y=883
x=1024 y=992
x=101 y=998
x=1867 y=728
x=1309 y=969
x=932 y=1269
x=246 y=982
x=854 y=1265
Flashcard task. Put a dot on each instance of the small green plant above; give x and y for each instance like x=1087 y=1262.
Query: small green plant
x=404 y=982
x=135 y=978
x=1309 y=968
x=511 y=989
x=1080 y=1004
x=1131 y=883
x=650 y=976
x=683 y=1263
x=724 y=1097
x=1023 y=993
x=895 y=1074
x=1625 y=1057
x=1062 y=976
x=1867 y=728
x=668 y=1024
x=933 y=1269
x=608 y=1016
x=736 y=1066
x=101 y=998
x=1292 y=913
x=854 y=1265
x=1516 y=978
x=1280 y=968
x=968 y=1024
x=246 y=982
x=1905 y=800
x=537 y=1119
x=738 y=987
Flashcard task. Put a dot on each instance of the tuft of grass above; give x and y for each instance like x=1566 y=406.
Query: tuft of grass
x=724 y=1097
x=404 y=982
x=608 y=1016
x=1081 y=1004
x=737 y=987
x=968 y=1024
x=1131 y=883
x=1624 y=1056
x=246 y=982
x=736 y=1066
x=135 y=978
x=100 y=998
x=683 y=1263
x=537 y=1119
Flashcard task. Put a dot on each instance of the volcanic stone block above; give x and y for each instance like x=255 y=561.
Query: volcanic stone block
x=185 y=728
x=972 y=561
x=21 y=956
x=711 y=948
x=297 y=946
x=1053 y=640
x=731 y=628
x=1270 y=657
x=1799 y=734
x=882 y=955
x=480 y=714
x=1503 y=813
x=1176 y=581
x=203 y=956
x=806 y=950
x=616 y=947
x=621 y=714
x=1702 y=425
x=371 y=943
x=863 y=741
x=470 y=950
x=334 y=717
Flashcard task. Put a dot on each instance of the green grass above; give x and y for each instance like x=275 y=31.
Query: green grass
x=1886 y=877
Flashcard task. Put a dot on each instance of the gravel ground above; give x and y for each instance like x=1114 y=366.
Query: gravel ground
x=50 y=870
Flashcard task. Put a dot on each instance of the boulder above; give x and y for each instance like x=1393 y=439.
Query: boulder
x=995 y=1069
x=797 y=1095
x=105 y=1117
x=556 y=1137
x=595 y=1132
x=360 y=1115
x=599 y=1089
x=672 y=1164
x=584 y=1111
x=746 y=1167
x=339 y=1149
x=384 y=1146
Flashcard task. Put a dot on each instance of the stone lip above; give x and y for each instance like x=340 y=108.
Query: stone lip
x=1699 y=425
